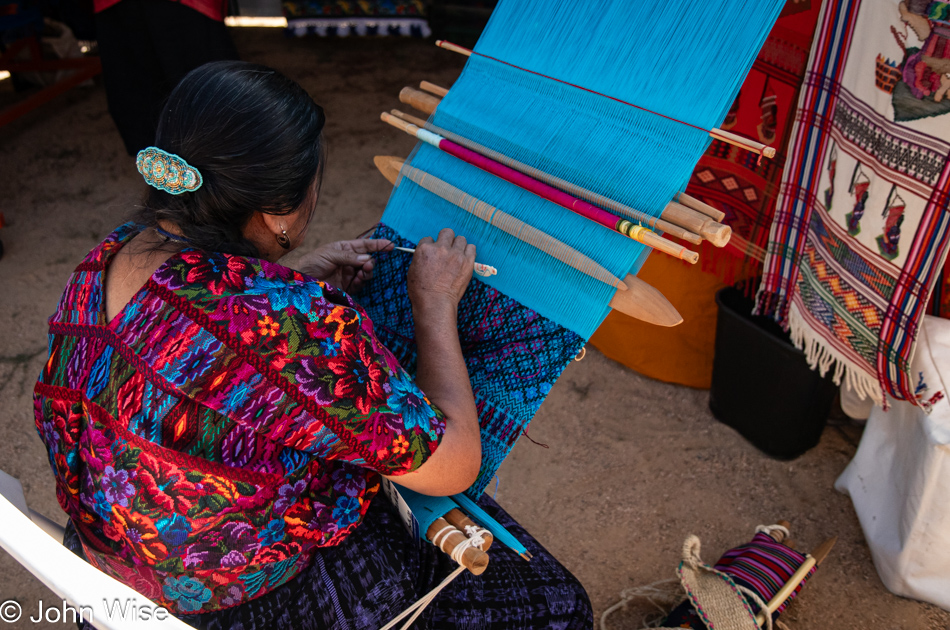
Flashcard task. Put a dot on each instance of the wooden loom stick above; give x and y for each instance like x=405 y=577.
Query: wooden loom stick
x=743 y=143
x=420 y=100
x=545 y=191
x=639 y=300
x=432 y=88
x=699 y=206
x=811 y=560
x=473 y=559
x=669 y=227
x=719 y=134
x=690 y=224
x=716 y=233
x=461 y=521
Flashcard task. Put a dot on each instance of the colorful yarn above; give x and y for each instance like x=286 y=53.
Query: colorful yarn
x=167 y=171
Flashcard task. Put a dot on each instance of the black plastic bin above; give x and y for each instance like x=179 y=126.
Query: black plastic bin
x=762 y=385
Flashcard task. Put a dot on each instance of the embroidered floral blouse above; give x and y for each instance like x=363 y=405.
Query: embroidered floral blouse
x=233 y=418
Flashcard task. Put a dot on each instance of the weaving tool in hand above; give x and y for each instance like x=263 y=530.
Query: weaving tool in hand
x=570 y=117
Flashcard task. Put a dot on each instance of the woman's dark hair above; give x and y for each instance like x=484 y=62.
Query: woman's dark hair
x=256 y=138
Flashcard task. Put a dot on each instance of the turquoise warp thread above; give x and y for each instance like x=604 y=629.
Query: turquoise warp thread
x=684 y=60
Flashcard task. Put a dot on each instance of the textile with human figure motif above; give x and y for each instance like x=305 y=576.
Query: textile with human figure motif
x=736 y=181
x=861 y=229
x=233 y=418
x=513 y=354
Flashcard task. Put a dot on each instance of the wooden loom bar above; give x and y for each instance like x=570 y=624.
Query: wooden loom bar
x=716 y=233
x=432 y=88
x=670 y=227
x=449 y=537
x=719 y=134
x=639 y=300
x=699 y=206
x=545 y=191
x=461 y=521
x=420 y=100
x=689 y=230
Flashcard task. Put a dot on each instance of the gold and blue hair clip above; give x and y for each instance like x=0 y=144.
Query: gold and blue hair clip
x=167 y=171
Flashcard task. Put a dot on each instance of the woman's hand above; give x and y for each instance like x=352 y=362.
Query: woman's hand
x=344 y=264
x=441 y=270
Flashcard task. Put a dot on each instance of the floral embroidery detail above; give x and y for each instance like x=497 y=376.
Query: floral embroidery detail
x=347 y=510
x=115 y=486
x=400 y=445
x=188 y=592
x=267 y=327
x=409 y=401
x=230 y=422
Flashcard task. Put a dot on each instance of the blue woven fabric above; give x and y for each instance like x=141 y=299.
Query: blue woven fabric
x=513 y=354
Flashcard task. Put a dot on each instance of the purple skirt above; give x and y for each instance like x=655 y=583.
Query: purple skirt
x=379 y=571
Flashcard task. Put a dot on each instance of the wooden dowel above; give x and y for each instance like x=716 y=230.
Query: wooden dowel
x=400 y=124
x=699 y=206
x=657 y=242
x=420 y=100
x=461 y=521
x=668 y=227
x=639 y=300
x=441 y=43
x=789 y=587
x=432 y=88
x=409 y=118
x=745 y=143
x=473 y=559
x=585 y=209
x=716 y=233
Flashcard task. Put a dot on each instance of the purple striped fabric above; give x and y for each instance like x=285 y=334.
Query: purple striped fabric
x=764 y=566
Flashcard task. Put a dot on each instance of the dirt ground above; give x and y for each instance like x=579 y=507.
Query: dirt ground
x=633 y=465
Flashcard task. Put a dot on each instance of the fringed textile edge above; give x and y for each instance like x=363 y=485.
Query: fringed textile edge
x=822 y=357
x=772 y=304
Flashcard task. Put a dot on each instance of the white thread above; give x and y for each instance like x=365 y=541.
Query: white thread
x=768 y=529
x=420 y=605
x=476 y=534
x=464 y=546
x=445 y=530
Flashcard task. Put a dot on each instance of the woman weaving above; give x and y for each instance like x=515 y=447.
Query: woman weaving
x=218 y=423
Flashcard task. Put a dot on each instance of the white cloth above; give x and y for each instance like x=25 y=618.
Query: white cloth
x=899 y=479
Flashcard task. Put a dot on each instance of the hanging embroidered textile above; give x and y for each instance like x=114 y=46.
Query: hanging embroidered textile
x=734 y=179
x=521 y=327
x=343 y=18
x=860 y=233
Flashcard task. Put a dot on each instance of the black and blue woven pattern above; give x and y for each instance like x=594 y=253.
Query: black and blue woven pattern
x=513 y=354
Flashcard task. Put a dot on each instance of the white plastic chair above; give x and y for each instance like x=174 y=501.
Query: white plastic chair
x=36 y=542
